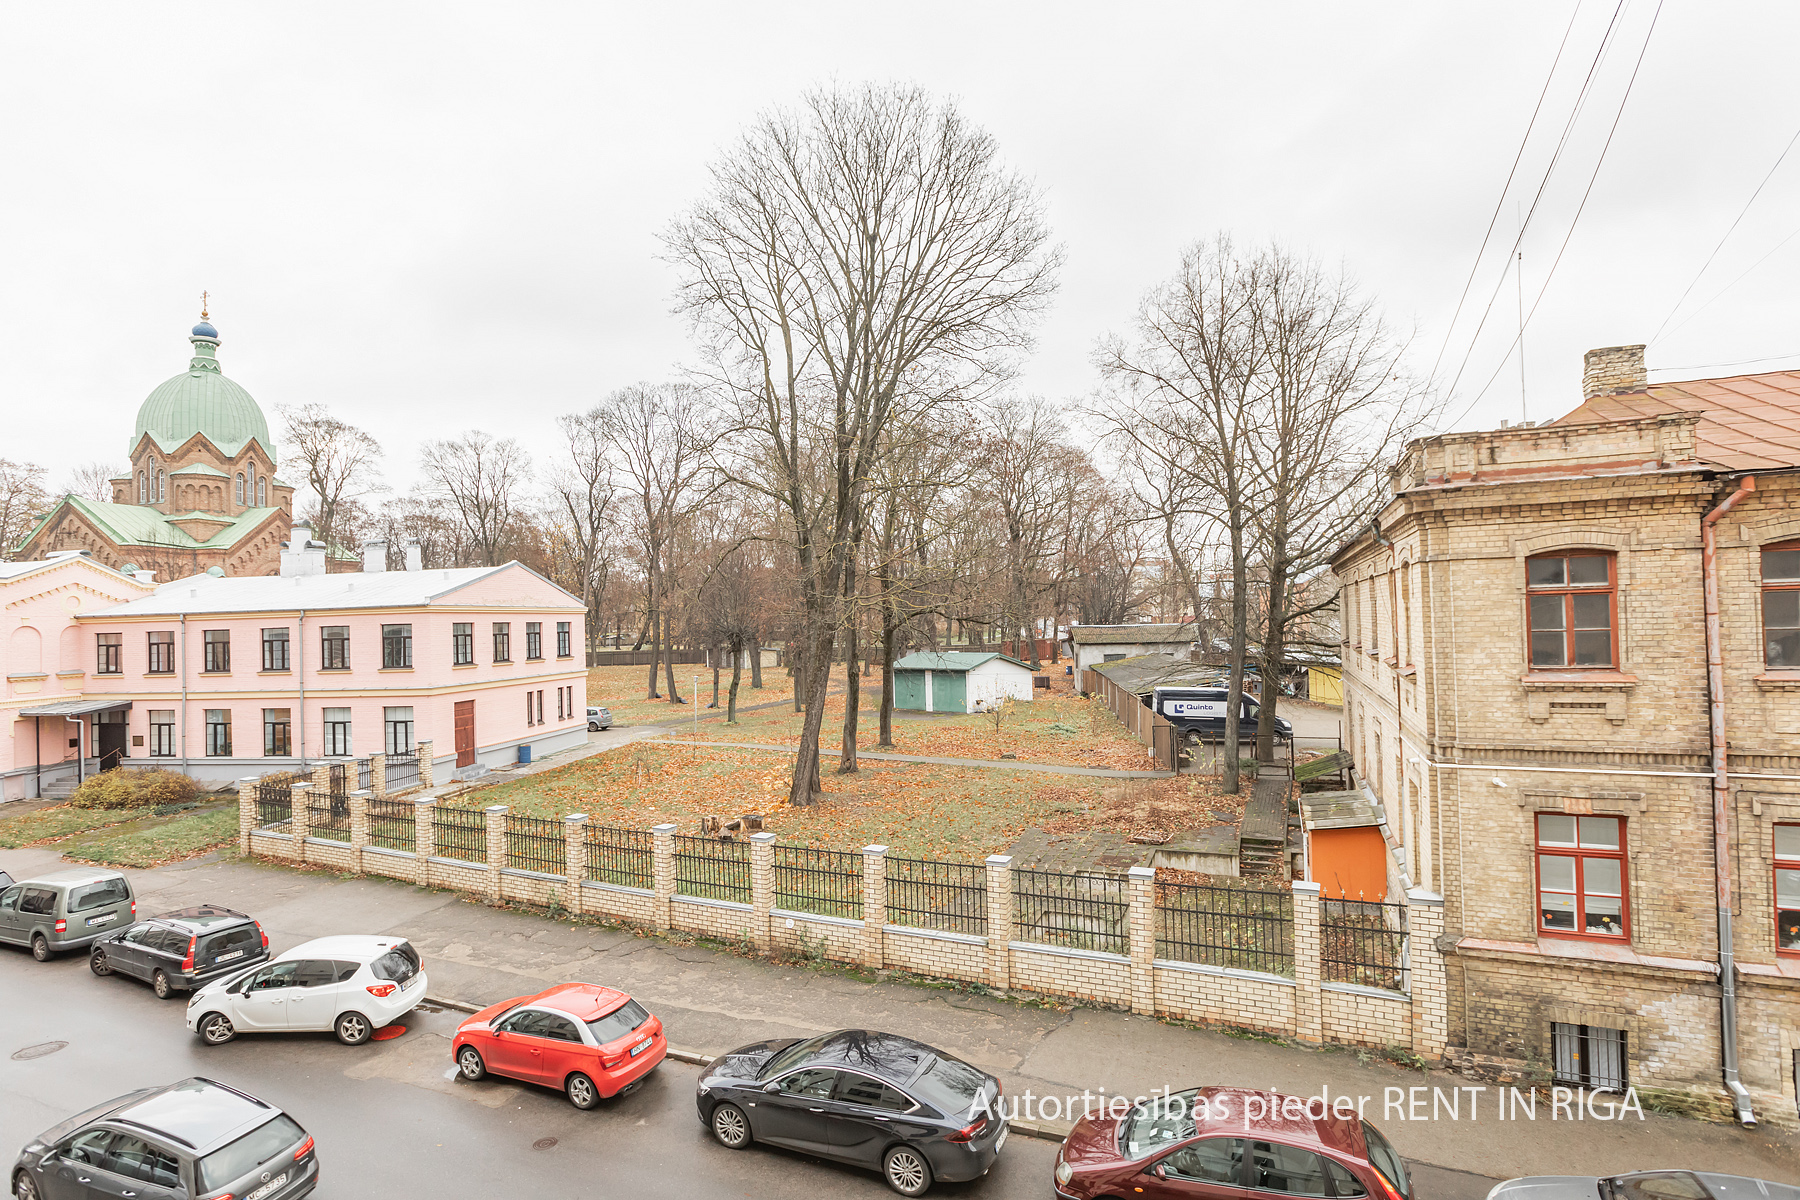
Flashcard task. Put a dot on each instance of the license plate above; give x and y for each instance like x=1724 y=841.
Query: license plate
x=229 y=957
x=268 y=1187
x=641 y=1047
x=103 y=918
x=1001 y=1140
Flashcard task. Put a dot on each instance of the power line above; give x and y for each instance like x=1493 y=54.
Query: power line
x=1759 y=262
x=1742 y=362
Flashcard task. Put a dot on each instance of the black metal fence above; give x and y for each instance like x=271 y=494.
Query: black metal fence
x=926 y=893
x=623 y=857
x=392 y=825
x=536 y=844
x=402 y=770
x=1364 y=942
x=274 y=804
x=459 y=833
x=827 y=882
x=712 y=869
x=1250 y=928
x=328 y=815
x=1079 y=912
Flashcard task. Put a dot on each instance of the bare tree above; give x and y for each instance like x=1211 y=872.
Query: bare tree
x=863 y=254
x=22 y=501
x=483 y=480
x=340 y=464
x=582 y=492
x=93 y=481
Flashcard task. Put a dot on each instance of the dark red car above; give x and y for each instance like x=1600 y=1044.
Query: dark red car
x=589 y=1042
x=1229 y=1144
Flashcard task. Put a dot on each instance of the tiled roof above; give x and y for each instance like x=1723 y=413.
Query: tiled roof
x=1747 y=423
x=1131 y=635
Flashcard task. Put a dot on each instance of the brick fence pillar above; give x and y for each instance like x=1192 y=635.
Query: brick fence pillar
x=496 y=846
x=359 y=829
x=1425 y=975
x=424 y=837
x=575 y=856
x=301 y=825
x=663 y=864
x=246 y=812
x=1140 y=884
x=874 y=906
x=762 y=889
x=378 y=774
x=1308 y=1023
x=999 y=921
x=424 y=751
x=321 y=777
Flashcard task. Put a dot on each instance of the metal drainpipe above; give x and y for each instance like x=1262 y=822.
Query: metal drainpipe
x=300 y=674
x=184 y=695
x=80 y=751
x=1721 y=797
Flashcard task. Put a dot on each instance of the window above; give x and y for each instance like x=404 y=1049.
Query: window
x=1275 y=1167
x=162 y=733
x=337 y=732
x=1787 y=889
x=262 y=493
x=397 y=730
x=462 y=643
x=109 y=649
x=240 y=487
x=239 y=1158
x=534 y=640
x=1588 y=1055
x=278 y=725
x=162 y=652
x=1215 y=1160
x=562 y=639
x=1406 y=613
x=162 y=486
x=275 y=649
x=529 y=710
x=334 y=648
x=1781 y=605
x=1384 y=1159
x=616 y=1024
x=540 y=706
x=1374 y=618
x=88 y=1147
x=871 y=1093
x=135 y=1158
x=814 y=1083
x=396 y=645
x=99 y=894
x=1571 y=598
x=1581 y=875
x=218 y=732
x=502 y=641
x=143 y=488
x=561 y=702
x=218 y=649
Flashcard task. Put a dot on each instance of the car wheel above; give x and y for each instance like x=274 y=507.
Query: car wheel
x=353 y=1029
x=468 y=1061
x=906 y=1171
x=581 y=1092
x=24 y=1188
x=98 y=965
x=40 y=947
x=731 y=1127
x=216 y=1029
x=159 y=983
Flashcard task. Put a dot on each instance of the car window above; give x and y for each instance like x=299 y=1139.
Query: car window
x=1383 y=1158
x=1160 y=1123
x=315 y=972
x=99 y=894
x=796 y=1053
x=38 y=900
x=139 y=935
x=9 y=899
x=813 y=1083
x=397 y=965
x=560 y=1028
x=1659 y=1185
x=241 y=937
x=619 y=1022
x=528 y=1023
x=1342 y=1181
x=871 y=1093
x=276 y=975
x=135 y=1158
x=172 y=941
x=1215 y=1160
x=88 y=1147
x=949 y=1084
x=346 y=971
x=237 y=1159
x=1276 y=1167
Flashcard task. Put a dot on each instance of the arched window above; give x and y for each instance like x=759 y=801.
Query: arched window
x=240 y=487
x=162 y=486
x=143 y=487
x=262 y=492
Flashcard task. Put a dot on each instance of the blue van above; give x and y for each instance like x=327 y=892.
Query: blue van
x=1201 y=711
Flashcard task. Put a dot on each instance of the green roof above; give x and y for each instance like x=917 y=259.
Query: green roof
x=141 y=525
x=950 y=660
x=201 y=400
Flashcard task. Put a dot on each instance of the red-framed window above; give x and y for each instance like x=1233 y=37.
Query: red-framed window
x=1573 y=600
x=1787 y=889
x=1581 y=874
x=1781 y=605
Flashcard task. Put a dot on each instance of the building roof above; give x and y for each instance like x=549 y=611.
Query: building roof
x=200 y=469
x=1747 y=422
x=951 y=660
x=276 y=593
x=13 y=570
x=141 y=525
x=201 y=400
x=1131 y=635
x=1146 y=672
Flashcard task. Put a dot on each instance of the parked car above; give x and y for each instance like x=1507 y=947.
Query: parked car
x=1643 y=1185
x=192 y=1138
x=592 y=1042
x=1201 y=712
x=351 y=985
x=181 y=950
x=1177 y=1145
x=6 y=880
x=598 y=719
x=874 y=1100
x=65 y=910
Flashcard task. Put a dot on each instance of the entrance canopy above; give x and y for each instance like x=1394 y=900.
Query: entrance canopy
x=75 y=708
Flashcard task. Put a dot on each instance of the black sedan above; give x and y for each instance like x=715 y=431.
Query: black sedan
x=869 y=1099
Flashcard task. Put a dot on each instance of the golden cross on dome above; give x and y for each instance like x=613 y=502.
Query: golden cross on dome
x=203 y=306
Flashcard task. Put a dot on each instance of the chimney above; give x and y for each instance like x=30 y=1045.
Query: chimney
x=143 y=576
x=415 y=557
x=300 y=554
x=374 y=556
x=1611 y=370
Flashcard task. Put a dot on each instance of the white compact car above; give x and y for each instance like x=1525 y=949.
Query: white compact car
x=351 y=985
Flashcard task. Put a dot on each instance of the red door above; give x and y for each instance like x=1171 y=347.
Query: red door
x=465 y=733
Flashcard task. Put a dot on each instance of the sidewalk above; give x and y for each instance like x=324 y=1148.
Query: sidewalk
x=711 y=1001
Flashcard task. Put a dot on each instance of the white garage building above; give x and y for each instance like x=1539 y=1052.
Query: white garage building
x=958 y=681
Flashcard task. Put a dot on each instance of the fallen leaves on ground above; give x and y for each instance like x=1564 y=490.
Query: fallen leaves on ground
x=1162 y=806
x=623 y=691
x=57 y=821
x=154 y=841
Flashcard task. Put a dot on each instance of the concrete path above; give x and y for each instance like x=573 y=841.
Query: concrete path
x=999 y=763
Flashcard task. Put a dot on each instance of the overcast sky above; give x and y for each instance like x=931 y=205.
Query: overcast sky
x=435 y=217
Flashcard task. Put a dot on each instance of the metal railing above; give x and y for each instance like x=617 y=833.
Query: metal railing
x=536 y=844
x=712 y=869
x=827 y=882
x=1250 y=928
x=624 y=857
x=926 y=893
x=393 y=824
x=328 y=816
x=1363 y=942
x=274 y=805
x=1078 y=912
x=459 y=833
x=402 y=770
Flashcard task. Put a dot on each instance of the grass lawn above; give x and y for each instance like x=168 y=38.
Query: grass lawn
x=150 y=841
x=57 y=821
x=622 y=690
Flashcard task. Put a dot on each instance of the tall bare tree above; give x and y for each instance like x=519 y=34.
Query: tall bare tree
x=93 y=481
x=340 y=463
x=22 y=501
x=483 y=480
x=860 y=254
x=581 y=490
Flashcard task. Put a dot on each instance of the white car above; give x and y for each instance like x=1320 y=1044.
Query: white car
x=351 y=985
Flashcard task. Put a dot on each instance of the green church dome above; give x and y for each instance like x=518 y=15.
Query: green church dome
x=202 y=400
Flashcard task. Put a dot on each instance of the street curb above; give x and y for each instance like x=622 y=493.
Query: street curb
x=1023 y=1128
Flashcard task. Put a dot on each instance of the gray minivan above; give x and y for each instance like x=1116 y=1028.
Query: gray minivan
x=66 y=910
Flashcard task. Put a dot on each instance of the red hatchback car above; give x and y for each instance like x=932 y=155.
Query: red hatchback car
x=591 y=1042
x=1228 y=1144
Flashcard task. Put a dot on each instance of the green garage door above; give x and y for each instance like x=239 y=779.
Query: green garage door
x=949 y=691
x=909 y=689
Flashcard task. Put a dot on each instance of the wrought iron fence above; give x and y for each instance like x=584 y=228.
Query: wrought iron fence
x=392 y=825
x=274 y=805
x=1080 y=912
x=402 y=770
x=712 y=869
x=459 y=833
x=536 y=844
x=926 y=893
x=1361 y=941
x=328 y=815
x=1250 y=928
x=827 y=882
x=625 y=857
